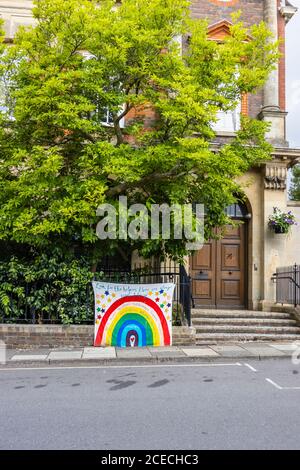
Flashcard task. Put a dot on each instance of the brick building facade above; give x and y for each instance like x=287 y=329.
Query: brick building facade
x=237 y=270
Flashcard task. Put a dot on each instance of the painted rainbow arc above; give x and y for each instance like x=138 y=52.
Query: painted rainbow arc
x=133 y=320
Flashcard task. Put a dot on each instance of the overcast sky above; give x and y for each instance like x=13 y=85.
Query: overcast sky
x=293 y=77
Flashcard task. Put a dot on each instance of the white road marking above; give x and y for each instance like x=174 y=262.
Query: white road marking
x=280 y=387
x=119 y=367
x=250 y=367
x=274 y=384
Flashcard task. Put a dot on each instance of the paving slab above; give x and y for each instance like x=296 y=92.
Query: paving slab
x=30 y=352
x=264 y=351
x=29 y=357
x=285 y=347
x=134 y=353
x=170 y=354
x=99 y=353
x=253 y=344
x=163 y=348
x=199 y=352
x=232 y=351
x=64 y=355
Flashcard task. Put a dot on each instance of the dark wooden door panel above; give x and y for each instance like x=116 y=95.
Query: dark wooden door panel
x=230 y=256
x=218 y=271
x=232 y=232
x=230 y=268
x=204 y=258
x=230 y=289
x=203 y=289
x=203 y=274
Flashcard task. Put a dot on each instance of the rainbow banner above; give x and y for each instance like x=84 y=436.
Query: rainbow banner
x=133 y=315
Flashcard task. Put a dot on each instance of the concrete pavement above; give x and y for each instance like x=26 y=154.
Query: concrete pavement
x=111 y=355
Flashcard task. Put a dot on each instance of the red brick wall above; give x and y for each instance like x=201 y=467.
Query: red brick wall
x=67 y=336
x=252 y=12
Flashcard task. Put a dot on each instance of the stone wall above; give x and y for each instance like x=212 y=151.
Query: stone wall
x=64 y=336
x=293 y=240
x=15 y=13
x=252 y=183
x=267 y=250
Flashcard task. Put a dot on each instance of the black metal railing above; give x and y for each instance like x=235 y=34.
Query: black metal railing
x=36 y=307
x=25 y=310
x=287 y=285
x=177 y=275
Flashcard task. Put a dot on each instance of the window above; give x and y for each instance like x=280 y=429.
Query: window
x=103 y=114
x=237 y=211
x=178 y=40
x=228 y=121
x=106 y=118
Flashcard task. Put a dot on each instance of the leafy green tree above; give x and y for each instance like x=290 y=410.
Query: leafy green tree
x=85 y=58
x=294 y=192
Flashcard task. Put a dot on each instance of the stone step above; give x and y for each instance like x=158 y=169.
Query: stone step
x=216 y=328
x=218 y=338
x=199 y=313
x=287 y=308
x=199 y=321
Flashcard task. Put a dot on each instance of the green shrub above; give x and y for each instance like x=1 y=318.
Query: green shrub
x=46 y=288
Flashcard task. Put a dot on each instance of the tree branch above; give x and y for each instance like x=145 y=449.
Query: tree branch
x=122 y=187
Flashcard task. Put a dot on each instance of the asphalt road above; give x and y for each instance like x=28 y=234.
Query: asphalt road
x=152 y=407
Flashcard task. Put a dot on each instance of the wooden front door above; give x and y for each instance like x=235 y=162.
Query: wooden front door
x=218 y=271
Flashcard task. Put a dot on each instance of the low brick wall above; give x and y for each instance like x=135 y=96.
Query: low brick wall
x=62 y=336
x=46 y=336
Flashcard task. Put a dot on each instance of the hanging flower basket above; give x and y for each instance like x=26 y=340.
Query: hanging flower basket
x=278 y=229
x=281 y=222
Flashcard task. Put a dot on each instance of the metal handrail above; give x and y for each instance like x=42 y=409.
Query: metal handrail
x=291 y=273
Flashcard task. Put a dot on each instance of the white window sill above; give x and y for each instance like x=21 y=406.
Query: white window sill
x=225 y=133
